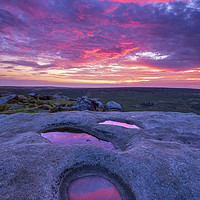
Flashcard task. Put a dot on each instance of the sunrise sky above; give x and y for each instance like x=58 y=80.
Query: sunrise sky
x=100 y=43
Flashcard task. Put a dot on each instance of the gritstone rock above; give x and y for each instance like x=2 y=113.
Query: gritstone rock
x=159 y=161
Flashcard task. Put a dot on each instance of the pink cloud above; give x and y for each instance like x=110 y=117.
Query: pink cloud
x=74 y=37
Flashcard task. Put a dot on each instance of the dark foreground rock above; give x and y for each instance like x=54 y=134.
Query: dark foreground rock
x=159 y=161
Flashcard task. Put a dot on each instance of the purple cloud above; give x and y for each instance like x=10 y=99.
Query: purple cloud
x=80 y=31
x=28 y=64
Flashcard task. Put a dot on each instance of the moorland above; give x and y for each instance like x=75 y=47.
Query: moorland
x=131 y=98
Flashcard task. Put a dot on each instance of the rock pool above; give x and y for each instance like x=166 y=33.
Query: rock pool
x=115 y=123
x=68 y=138
x=93 y=188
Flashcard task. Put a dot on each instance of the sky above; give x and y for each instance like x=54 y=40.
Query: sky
x=100 y=43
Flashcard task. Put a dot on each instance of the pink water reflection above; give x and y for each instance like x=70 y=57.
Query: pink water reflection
x=67 y=138
x=120 y=124
x=93 y=188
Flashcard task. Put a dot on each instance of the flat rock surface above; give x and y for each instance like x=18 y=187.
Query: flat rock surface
x=161 y=160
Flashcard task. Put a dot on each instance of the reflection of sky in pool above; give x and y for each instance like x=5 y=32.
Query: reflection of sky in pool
x=120 y=124
x=67 y=138
x=92 y=188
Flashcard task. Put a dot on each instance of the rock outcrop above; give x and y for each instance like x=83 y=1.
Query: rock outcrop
x=9 y=99
x=86 y=103
x=33 y=102
x=161 y=160
x=53 y=103
x=83 y=103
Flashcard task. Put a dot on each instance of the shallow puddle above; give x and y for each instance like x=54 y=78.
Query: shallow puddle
x=120 y=124
x=93 y=188
x=67 y=138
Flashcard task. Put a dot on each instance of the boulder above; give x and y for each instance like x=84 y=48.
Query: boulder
x=112 y=106
x=86 y=103
x=83 y=104
x=98 y=105
x=13 y=98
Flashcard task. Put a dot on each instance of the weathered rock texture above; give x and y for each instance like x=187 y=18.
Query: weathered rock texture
x=159 y=161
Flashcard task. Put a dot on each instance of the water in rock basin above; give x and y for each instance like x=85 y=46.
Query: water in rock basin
x=120 y=124
x=92 y=188
x=67 y=138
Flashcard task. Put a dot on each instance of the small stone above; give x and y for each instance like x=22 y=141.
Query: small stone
x=65 y=97
x=15 y=107
x=55 y=109
x=56 y=96
x=45 y=97
x=65 y=106
x=45 y=107
x=33 y=94
x=42 y=111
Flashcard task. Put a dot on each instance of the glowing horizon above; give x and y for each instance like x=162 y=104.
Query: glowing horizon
x=100 y=43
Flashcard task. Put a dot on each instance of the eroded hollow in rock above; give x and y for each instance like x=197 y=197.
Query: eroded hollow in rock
x=92 y=181
x=120 y=124
x=93 y=187
x=69 y=138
